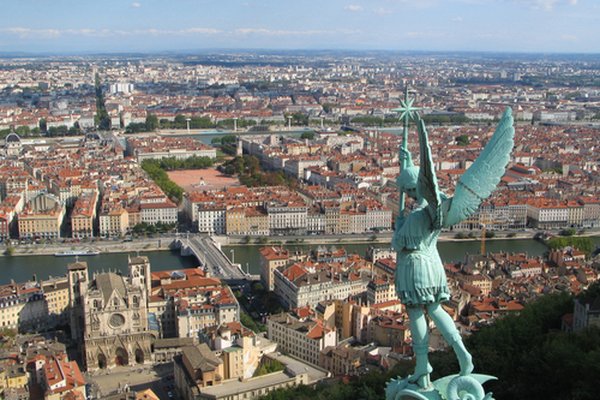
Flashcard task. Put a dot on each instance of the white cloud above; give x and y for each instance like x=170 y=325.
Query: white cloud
x=546 y=5
x=136 y=4
x=382 y=11
x=569 y=38
x=281 y=32
x=424 y=34
x=353 y=8
x=204 y=31
x=457 y=19
x=25 y=33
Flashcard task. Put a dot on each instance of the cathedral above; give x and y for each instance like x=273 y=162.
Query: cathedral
x=109 y=315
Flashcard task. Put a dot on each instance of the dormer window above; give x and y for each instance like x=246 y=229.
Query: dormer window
x=116 y=302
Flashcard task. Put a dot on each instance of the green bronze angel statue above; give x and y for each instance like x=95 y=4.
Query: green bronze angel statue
x=420 y=278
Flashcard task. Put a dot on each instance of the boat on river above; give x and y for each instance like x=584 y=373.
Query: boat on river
x=72 y=253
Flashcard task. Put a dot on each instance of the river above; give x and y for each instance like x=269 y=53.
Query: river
x=449 y=251
x=23 y=268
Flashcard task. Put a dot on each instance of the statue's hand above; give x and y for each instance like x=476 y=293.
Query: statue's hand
x=404 y=154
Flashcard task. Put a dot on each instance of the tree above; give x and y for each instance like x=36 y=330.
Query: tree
x=307 y=135
x=152 y=122
x=135 y=127
x=229 y=139
x=180 y=121
x=298 y=119
x=23 y=131
x=567 y=232
x=327 y=107
x=43 y=125
x=462 y=140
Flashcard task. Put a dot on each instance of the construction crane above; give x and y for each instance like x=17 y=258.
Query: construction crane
x=484 y=219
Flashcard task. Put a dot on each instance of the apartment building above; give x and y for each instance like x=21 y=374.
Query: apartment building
x=381 y=290
x=83 y=216
x=271 y=258
x=304 y=284
x=9 y=208
x=547 y=213
x=250 y=221
x=56 y=294
x=156 y=147
x=185 y=302
x=22 y=307
x=156 y=209
x=287 y=218
x=113 y=220
x=301 y=338
x=42 y=217
x=211 y=219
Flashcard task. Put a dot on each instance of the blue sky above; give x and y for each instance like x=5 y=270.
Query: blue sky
x=153 y=25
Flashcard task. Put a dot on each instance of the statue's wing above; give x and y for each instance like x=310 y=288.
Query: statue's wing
x=483 y=176
x=427 y=184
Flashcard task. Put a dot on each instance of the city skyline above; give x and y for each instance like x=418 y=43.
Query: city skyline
x=555 y=26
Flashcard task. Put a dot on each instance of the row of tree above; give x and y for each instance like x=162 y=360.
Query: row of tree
x=584 y=244
x=172 y=163
x=53 y=131
x=369 y=120
x=146 y=228
x=101 y=119
x=152 y=123
x=160 y=177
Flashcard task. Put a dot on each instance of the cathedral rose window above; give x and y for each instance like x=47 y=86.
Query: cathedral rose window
x=116 y=320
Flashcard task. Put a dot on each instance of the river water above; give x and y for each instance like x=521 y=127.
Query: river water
x=22 y=268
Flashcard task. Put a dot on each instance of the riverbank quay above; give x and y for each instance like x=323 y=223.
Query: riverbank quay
x=166 y=242
x=375 y=238
x=103 y=246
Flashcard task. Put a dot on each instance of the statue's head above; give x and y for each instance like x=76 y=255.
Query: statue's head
x=407 y=181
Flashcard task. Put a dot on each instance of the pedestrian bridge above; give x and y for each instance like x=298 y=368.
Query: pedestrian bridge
x=211 y=257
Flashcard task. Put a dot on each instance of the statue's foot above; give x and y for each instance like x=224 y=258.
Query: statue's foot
x=421 y=375
x=464 y=357
x=394 y=386
x=466 y=363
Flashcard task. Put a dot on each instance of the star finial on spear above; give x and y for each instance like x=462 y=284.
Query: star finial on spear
x=407 y=109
